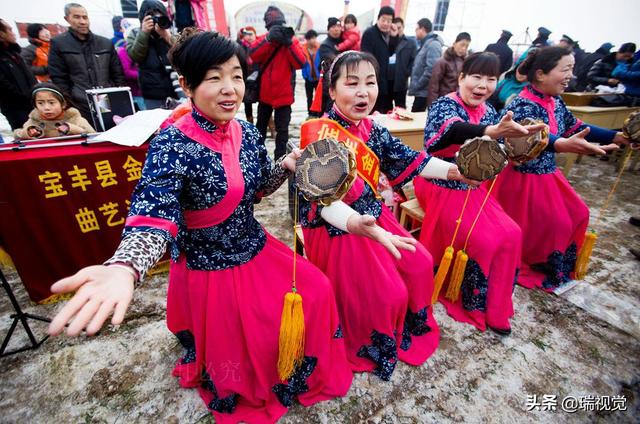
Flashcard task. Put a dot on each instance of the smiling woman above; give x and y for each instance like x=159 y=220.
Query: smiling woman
x=228 y=276
x=372 y=261
x=554 y=233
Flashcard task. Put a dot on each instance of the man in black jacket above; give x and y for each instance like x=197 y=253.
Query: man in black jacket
x=502 y=50
x=328 y=50
x=590 y=59
x=80 y=60
x=600 y=72
x=377 y=41
x=402 y=63
x=16 y=80
x=148 y=47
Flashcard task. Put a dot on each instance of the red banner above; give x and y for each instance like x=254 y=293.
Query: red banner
x=63 y=208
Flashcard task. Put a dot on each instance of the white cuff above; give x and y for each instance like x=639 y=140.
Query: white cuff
x=337 y=214
x=436 y=168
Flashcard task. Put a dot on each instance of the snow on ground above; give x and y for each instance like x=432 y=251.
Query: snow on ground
x=585 y=342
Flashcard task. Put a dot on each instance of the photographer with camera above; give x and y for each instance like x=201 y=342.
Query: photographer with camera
x=279 y=54
x=148 y=47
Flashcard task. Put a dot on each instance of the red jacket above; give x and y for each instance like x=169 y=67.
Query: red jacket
x=276 y=84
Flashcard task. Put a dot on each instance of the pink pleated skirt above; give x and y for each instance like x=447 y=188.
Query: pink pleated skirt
x=553 y=219
x=384 y=304
x=229 y=321
x=493 y=249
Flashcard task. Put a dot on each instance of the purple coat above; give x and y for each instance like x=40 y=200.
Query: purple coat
x=130 y=71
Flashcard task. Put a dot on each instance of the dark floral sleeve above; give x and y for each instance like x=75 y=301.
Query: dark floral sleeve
x=272 y=175
x=572 y=124
x=442 y=114
x=155 y=205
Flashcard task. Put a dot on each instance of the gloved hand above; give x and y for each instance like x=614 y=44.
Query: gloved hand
x=288 y=34
x=275 y=34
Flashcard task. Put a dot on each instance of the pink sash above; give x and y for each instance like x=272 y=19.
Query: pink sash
x=225 y=140
x=548 y=103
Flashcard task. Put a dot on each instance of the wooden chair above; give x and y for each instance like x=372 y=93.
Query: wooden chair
x=411 y=214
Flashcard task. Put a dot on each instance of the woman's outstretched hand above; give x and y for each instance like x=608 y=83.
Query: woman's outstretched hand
x=101 y=291
x=365 y=225
x=507 y=127
x=578 y=144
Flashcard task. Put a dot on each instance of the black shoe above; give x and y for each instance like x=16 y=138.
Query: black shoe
x=604 y=158
x=636 y=253
x=634 y=221
x=501 y=331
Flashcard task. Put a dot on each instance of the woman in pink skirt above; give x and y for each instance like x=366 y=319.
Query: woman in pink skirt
x=536 y=194
x=494 y=244
x=228 y=275
x=383 y=293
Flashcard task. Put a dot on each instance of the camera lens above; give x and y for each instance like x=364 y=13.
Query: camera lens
x=162 y=21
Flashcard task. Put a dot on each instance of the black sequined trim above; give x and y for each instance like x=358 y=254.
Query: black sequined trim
x=561 y=266
x=189 y=344
x=297 y=383
x=474 y=287
x=415 y=324
x=224 y=405
x=383 y=351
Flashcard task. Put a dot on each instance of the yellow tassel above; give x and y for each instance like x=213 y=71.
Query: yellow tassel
x=291 y=342
x=455 y=282
x=582 y=263
x=443 y=269
x=5 y=259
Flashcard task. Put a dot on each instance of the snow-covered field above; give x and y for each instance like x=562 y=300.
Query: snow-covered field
x=583 y=343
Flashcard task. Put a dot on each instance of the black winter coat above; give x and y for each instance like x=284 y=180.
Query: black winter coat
x=77 y=65
x=16 y=82
x=504 y=52
x=327 y=49
x=150 y=52
x=373 y=42
x=405 y=54
x=583 y=70
x=600 y=72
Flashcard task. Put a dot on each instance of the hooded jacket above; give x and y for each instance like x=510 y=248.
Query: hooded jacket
x=150 y=52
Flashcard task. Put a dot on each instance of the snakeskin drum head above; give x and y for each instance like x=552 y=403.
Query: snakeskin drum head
x=524 y=149
x=481 y=158
x=325 y=171
x=631 y=127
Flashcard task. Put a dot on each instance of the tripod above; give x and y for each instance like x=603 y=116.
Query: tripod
x=22 y=317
